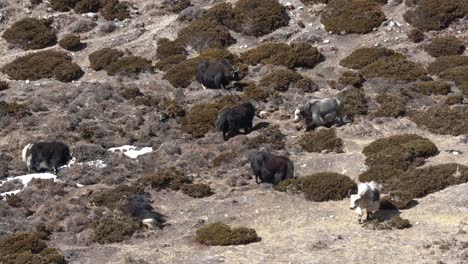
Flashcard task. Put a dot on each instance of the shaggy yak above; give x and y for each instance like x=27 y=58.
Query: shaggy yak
x=367 y=198
x=216 y=75
x=44 y=156
x=230 y=120
x=324 y=112
x=271 y=168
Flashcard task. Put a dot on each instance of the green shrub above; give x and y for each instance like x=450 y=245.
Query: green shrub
x=351 y=78
x=435 y=14
x=380 y=173
x=168 y=62
x=4 y=85
x=320 y=187
x=166 y=179
x=219 y=234
x=71 y=42
x=27 y=248
x=87 y=6
x=355 y=16
x=62 y=5
x=281 y=80
x=292 y=56
x=167 y=48
x=113 y=9
x=395 y=68
x=102 y=58
x=251 y=91
x=416 y=35
x=223 y=159
x=458 y=74
x=454 y=99
x=390 y=106
x=112 y=197
x=203 y=34
x=445 y=46
x=31 y=33
x=318 y=141
x=446 y=63
x=268 y=136
x=130 y=65
x=443 y=120
x=354 y=102
x=114 y=230
x=198 y=190
x=363 y=57
x=43 y=64
x=432 y=88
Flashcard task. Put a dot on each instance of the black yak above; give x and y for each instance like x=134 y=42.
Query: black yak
x=320 y=112
x=46 y=156
x=271 y=168
x=230 y=120
x=216 y=75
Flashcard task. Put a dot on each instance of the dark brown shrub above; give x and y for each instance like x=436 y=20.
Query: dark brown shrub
x=380 y=173
x=218 y=234
x=351 y=78
x=168 y=62
x=281 y=80
x=435 y=14
x=130 y=65
x=443 y=120
x=355 y=16
x=203 y=34
x=111 y=198
x=130 y=93
x=114 y=230
x=176 y=6
x=4 y=85
x=445 y=46
x=43 y=64
x=295 y=55
x=251 y=91
x=102 y=58
x=416 y=35
x=198 y=190
x=271 y=136
x=201 y=118
x=167 y=48
x=321 y=140
x=224 y=158
x=454 y=99
x=71 y=42
x=446 y=63
x=62 y=5
x=363 y=57
x=166 y=179
x=458 y=74
x=313 y=2
x=390 y=106
x=87 y=6
x=432 y=88
x=31 y=33
x=14 y=200
x=354 y=101
x=395 y=68
x=113 y=9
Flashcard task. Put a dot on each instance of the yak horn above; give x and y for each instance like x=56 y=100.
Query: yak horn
x=236 y=69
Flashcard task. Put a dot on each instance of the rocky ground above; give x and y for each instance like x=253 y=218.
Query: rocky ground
x=292 y=229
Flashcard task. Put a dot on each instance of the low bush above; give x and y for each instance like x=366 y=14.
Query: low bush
x=390 y=106
x=395 y=68
x=62 y=5
x=454 y=99
x=352 y=16
x=313 y=2
x=258 y=94
x=203 y=34
x=281 y=80
x=71 y=42
x=432 y=88
x=458 y=74
x=363 y=57
x=202 y=117
x=380 y=173
x=112 y=197
x=434 y=14
x=198 y=190
x=445 y=46
x=166 y=179
x=4 y=85
x=12 y=109
x=292 y=56
x=167 y=48
x=113 y=9
x=167 y=63
x=321 y=140
x=31 y=33
x=43 y=64
x=224 y=158
x=130 y=93
x=102 y=58
x=446 y=63
x=416 y=35
x=170 y=109
x=130 y=65
x=87 y=6
x=219 y=234
x=271 y=136
x=27 y=248
x=319 y=187
x=443 y=120
x=351 y=78
x=113 y=230
x=176 y=6
x=354 y=101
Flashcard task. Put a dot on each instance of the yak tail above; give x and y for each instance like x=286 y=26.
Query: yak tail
x=222 y=121
x=290 y=171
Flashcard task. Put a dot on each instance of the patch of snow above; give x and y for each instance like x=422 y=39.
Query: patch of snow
x=132 y=151
x=94 y=163
x=25 y=179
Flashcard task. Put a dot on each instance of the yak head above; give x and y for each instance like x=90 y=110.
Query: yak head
x=354 y=201
x=230 y=71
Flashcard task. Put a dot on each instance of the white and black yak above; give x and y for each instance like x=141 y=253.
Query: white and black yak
x=46 y=156
x=320 y=112
x=271 y=168
x=216 y=75
x=230 y=120
x=367 y=198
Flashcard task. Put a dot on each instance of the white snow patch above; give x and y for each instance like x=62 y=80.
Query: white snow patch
x=94 y=163
x=132 y=151
x=25 y=179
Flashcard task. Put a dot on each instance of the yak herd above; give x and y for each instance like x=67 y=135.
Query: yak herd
x=269 y=168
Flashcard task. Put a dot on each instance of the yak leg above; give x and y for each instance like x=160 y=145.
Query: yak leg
x=257 y=179
x=330 y=118
x=279 y=176
x=359 y=211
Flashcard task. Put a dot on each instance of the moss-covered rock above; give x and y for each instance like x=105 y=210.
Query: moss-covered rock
x=271 y=136
x=31 y=33
x=130 y=65
x=390 y=105
x=432 y=88
x=166 y=179
x=114 y=229
x=321 y=140
x=71 y=42
x=281 y=80
x=219 y=234
x=445 y=46
x=292 y=56
x=435 y=14
x=395 y=68
x=352 y=16
x=354 y=101
x=198 y=190
x=443 y=120
x=102 y=58
x=43 y=64
x=363 y=57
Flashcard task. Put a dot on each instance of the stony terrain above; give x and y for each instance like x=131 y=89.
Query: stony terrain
x=91 y=115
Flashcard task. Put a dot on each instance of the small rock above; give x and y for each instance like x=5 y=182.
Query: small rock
x=326 y=41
